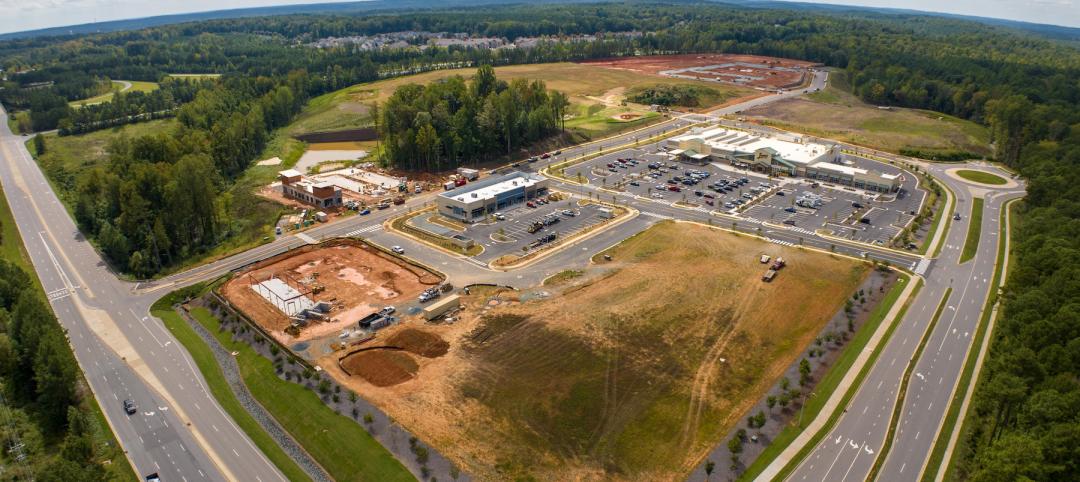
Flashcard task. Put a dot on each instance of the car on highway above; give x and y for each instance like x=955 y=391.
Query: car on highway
x=129 y=406
x=398 y=249
x=956 y=217
x=153 y=477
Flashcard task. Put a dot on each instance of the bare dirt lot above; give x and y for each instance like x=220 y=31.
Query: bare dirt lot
x=354 y=278
x=631 y=371
x=765 y=72
x=392 y=362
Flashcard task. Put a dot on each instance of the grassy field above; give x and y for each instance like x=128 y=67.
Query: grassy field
x=652 y=366
x=19 y=122
x=981 y=176
x=971 y=245
x=595 y=92
x=341 y=446
x=118 y=86
x=108 y=449
x=834 y=113
x=215 y=380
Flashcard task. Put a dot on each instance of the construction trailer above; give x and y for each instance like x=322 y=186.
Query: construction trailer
x=442 y=307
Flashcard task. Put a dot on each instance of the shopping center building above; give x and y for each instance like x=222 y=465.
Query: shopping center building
x=475 y=201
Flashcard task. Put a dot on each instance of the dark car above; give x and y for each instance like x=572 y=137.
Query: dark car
x=789 y=222
x=635 y=183
x=779 y=193
x=856 y=205
x=129 y=407
x=865 y=220
x=790 y=210
x=699 y=193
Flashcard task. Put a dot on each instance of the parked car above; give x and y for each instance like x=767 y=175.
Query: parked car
x=567 y=212
x=530 y=204
x=779 y=193
x=500 y=216
x=856 y=205
x=387 y=310
x=635 y=183
x=398 y=249
x=789 y=222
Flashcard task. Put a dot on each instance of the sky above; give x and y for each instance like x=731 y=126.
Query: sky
x=19 y=15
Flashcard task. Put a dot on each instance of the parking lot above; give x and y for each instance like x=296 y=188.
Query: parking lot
x=651 y=173
x=864 y=216
x=524 y=228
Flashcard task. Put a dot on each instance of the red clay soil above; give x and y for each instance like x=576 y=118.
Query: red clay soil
x=382 y=367
x=425 y=344
x=356 y=280
x=654 y=64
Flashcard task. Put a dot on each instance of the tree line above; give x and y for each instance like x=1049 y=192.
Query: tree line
x=159 y=200
x=438 y=126
x=42 y=390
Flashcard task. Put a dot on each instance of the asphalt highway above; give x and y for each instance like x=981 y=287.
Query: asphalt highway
x=179 y=430
x=848 y=452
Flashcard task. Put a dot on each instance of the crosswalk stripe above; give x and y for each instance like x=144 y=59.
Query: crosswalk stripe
x=367 y=229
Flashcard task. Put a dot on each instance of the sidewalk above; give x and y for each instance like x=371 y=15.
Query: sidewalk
x=819 y=423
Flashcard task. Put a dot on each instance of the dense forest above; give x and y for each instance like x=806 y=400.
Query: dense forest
x=42 y=401
x=157 y=202
x=440 y=125
x=159 y=199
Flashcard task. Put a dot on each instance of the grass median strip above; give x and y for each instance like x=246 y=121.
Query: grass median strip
x=899 y=405
x=971 y=245
x=829 y=384
x=981 y=177
x=341 y=446
x=215 y=380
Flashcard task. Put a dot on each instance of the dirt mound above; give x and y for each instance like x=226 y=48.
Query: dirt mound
x=381 y=367
x=420 y=342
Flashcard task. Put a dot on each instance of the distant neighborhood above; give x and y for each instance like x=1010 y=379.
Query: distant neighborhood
x=425 y=40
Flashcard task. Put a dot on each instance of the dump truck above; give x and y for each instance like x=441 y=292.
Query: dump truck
x=769 y=275
x=470 y=174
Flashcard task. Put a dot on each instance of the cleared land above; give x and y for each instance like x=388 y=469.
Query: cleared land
x=596 y=95
x=981 y=177
x=118 y=86
x=750 y=70
x=353 y=277
x=835 y=113
x=664 y=349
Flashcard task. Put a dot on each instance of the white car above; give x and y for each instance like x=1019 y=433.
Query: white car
x=500 y=216
x=398 y=250
x=657 y=195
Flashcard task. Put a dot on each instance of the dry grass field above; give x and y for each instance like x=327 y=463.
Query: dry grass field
x=631 y=371
x=834 y=113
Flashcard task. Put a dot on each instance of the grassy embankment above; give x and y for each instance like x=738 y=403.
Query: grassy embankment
x=971 y=245
x=118 y=86
x=835 y=113
x=981 y=177
x=219 y=387
x=110 y=453
x=341 y=446
x=829 y=383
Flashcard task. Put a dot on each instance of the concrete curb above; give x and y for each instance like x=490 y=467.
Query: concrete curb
x=792 y=450
x=979 y=360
